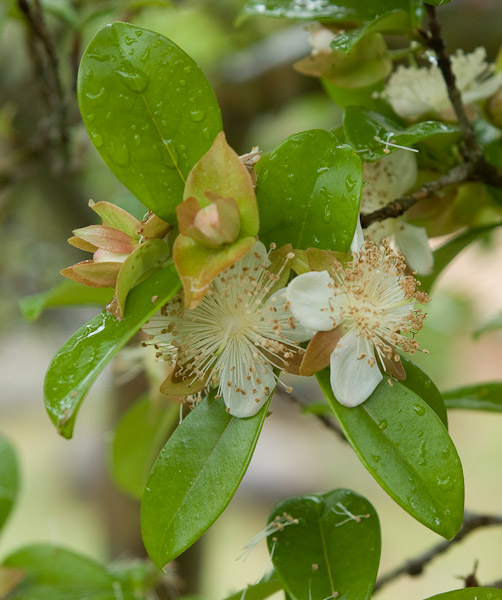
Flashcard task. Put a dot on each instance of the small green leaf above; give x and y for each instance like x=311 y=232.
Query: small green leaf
x=392 y=21
x=419 y=382
x=472 y=593
x=66 y=293
x=195 y=477
x=270 y=584
x=82 y=358
x=308 y=193
x=332 y=10
x=339 y=533
x=448 y=251
x=138 y=438
x=484 y=396
x=363 y=127
x=9 y=479
x=149 y=111
x=406 y=448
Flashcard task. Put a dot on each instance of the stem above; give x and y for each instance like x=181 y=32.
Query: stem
x=416 y=566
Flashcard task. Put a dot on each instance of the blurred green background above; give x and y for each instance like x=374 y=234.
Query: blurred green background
x=67 y=496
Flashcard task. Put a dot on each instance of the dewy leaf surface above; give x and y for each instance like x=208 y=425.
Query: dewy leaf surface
x=149 y=111
x=308 y=192
x=340 y=533
x=406 y=448
x=9 y=479
x=82 y=358
x=195 y=477
x=268 y=585
x=472 y=593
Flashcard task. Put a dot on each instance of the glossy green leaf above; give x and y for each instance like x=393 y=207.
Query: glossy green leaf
x=484 y=396
x=270 y=584
x=330 y=10
x=437 y=2
x=195 y=477
x=149 y=111
x=308 y=193
x=448 y=251
x=339 y=532
x=392 y=21
x=67 y=293
x=406 y=448
x=472 y=593
x=82 y=358
x=54 y=573
x=138 y=438
x=419 y=382
x=494 y=324
x=9 y=479
x=363 y=127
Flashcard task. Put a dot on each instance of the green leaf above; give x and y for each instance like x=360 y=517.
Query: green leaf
x=9 y=479
x=308 y=193
x=406 y=448
x=472 y=593
x=66 y=293
x=138 y=438
x=448 y=251
x=395 y=21
x=419 y=382
x=363 y=126
x=330 y=10
x=270 y=584
x=339 y=532
x=437 y=2
x=484 y=396
x=149 y=111
x=494 y=324
x=82 y=358
x=54 y=573
x=195 y=477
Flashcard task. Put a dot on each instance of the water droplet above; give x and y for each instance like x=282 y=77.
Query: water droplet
x=383 y=424
x=187 y=69
x=421 y=453
x=197 y=115
x=158 y=43
x=419 y=409
x=97 y=139
x=96 y=95
x=206 y=133
x=375 y=458
x=327 y=214
x=444 y=482
x=119 y=154
x=137 y=139
x=146 y=55
x=427 y=384
x=141 y=175
x=420 y=434
x=90 y=117
x=139 y=33
x=292 y=179
x=135 y=79
x=350 y=182
x=170 y=155
x=182 y=82
x=129 y=40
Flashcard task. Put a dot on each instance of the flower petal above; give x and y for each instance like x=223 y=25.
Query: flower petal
x=352 y=379
x=414 y=244
x=299 y=333
x=358 y=239
x=309 y=297
x=247 y=401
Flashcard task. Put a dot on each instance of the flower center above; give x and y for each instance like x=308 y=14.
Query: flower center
x=231 y=324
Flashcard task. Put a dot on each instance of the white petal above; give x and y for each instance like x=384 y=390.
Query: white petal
x=300 y=333
x=414 y=244
x=352 y=379
x=248 y=404
x=309 y=296
x=358 y=239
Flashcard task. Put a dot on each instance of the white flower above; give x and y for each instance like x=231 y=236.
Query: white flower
x=386 y=180
x=414 y=92
x=372 y=305
x=235 y=337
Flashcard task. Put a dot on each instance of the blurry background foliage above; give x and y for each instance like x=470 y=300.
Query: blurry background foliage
x=49 y=170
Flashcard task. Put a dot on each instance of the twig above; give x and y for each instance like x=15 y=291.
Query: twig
x=324 y=419
x=416 y=566
x=436 y=42
x=396 y=208
x=39 y=31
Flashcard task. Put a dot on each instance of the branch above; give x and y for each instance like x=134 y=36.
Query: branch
x=326 y=420
x=56 y=96
x=416 y=566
